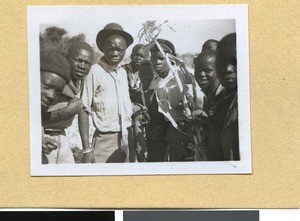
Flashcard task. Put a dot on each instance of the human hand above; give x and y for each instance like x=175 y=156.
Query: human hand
x=138 y=108
x=49 y=144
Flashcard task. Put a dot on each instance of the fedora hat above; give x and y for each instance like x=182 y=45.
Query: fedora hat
x=112 y=29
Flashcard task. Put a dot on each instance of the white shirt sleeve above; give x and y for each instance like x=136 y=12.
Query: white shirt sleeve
x=87 y=92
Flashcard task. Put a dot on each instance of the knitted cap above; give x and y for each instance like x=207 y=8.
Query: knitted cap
x=53 y=62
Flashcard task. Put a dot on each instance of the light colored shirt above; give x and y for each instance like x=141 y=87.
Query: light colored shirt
x=106 y=92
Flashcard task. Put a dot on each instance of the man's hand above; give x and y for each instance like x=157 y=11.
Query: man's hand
x=89 y=158
x=75 y=106
x=138 y=109
x=49 y=145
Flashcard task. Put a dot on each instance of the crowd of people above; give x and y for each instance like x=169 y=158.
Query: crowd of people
x=154 y=109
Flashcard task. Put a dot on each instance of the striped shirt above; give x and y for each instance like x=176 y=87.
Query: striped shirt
x=105 y=93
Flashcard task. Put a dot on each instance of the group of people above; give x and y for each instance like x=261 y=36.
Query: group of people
x=153 y=109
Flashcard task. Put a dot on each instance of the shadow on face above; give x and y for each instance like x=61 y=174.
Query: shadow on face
x=159 y=63
x=114 y=49
x=138 y=56
x=80 y=62
x=205 y=69
x=227 y=62
x=52 y=86
x=146 y=74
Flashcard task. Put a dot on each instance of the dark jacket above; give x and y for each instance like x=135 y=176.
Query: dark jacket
x=224 y=135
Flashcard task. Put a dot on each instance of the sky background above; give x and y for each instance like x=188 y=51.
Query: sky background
x=188 y=35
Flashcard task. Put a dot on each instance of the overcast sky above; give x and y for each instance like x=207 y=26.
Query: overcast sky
x=187 y=36
x=192 y=28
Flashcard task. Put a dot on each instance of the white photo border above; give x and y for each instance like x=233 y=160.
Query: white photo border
x=37 y=15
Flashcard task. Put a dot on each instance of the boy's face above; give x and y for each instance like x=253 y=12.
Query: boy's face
x=138 y=57
x=146 y=75
x=227 y=72
x=80 y=63
x=159 y=63
x=205 y=71
x=114 y=49
x=52 y=86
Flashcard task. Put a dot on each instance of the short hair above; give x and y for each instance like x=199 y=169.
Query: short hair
x=208 y=42
x=136 y=48
x=205 y=53
x=79 y=45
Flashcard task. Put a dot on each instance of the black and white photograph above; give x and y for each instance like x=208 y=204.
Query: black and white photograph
x=139 y=90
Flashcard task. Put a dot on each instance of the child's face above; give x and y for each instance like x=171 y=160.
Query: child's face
x=146 y=75
x=80 y=63
x=138 y=57
x=52 y=86
x=205 y=71
x=159 y=64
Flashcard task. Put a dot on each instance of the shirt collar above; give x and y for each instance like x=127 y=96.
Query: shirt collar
x=219 y=90
x=129 y=66
x=106 y=66
x=69 y=91
x=74 y=88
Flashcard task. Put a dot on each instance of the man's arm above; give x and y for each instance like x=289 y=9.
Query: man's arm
x=73 y=107
x=83 y=124
x=83 y=118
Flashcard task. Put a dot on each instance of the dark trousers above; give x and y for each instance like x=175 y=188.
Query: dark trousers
x=178 y=143
x=157 y=149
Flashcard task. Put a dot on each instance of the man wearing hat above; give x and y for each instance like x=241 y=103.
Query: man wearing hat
x=55 y=74
x=170 y=101
x=105 y=92
x=64 y=109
